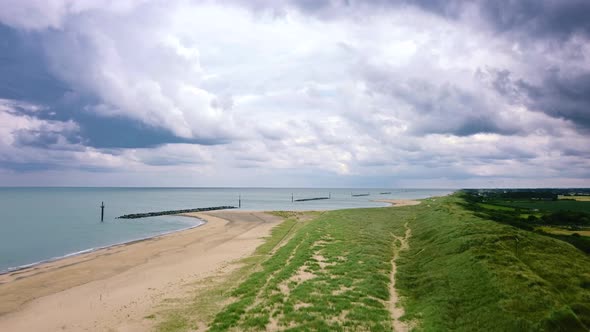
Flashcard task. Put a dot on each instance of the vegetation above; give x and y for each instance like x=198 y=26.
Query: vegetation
x=552 y=206
x=200 y=308
x=333 y=275
x=576 y=198
x=462 y=271
x=569 y=220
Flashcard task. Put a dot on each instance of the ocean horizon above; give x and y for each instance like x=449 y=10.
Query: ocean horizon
x=41 y=224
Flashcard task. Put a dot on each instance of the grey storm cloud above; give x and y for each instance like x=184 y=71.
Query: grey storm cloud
x=557 y=95
x=46 y=138
x=446 y=109
x=364 y=91
x=565 y=97
x=533 y=18
x=560 y=94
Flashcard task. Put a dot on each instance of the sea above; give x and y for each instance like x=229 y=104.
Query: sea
x=43 y=224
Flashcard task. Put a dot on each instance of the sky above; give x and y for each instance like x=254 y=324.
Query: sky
x=295 y=93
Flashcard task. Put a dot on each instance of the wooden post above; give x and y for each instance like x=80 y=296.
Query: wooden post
x=330 y=195
x=239 y=201
x=291 y=197
x=102 y=212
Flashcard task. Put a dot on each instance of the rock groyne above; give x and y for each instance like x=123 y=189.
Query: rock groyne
x=169 y=212
x=311 y=199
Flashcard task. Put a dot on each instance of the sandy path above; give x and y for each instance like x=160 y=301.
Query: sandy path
x=115 y=288
x=394 y=307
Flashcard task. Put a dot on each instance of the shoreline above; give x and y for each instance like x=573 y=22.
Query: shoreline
x=10 y=270
x=96 y=249
x=119 y=287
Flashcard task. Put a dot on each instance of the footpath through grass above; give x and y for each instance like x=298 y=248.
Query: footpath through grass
x=461 y=273
x=333 y=275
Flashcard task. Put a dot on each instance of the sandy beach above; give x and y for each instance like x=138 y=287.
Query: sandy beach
x=399 y=202
x=114 y=289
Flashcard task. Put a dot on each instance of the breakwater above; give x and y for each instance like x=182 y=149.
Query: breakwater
x=385 y=193
x=359 y=195
x=311 y=199
x=169 y=212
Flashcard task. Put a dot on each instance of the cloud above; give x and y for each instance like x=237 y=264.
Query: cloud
x=52 y=14
x=302 y=92
x=28 y=143
x=557 y=19
x=154 y=80
x=563 y=96
x=21 y=129
x=23 y=71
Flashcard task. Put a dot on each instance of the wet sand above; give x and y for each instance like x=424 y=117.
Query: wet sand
x=115 y=288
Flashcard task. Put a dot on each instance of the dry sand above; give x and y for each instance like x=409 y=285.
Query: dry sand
x=399 y=202
x=114 y=289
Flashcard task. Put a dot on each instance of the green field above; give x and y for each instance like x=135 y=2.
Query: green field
x=460 y=273
x=551 y=206
x=576 y=198
x=564 y=231
x=495 y=207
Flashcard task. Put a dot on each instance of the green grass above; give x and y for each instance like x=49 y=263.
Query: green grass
x=344 y=257
x=201 y=307
x=461 y=273
x=495 y=207
x=551 y=206
x=464 y=273
x=564 y=231
x=575 y=198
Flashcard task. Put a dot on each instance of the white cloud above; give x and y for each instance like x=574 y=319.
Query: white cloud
x=384 y=95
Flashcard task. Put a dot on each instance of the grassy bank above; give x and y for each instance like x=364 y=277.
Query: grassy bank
x=467 y=273
x=332 y=275
x=460 y=272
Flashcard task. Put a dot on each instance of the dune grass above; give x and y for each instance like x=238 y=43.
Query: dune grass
x=332 y=276
x=495 y=207
x=201 y=307
x=460 y=273
x=466 y=273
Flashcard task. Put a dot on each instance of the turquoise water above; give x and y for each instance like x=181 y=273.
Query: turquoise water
x=38 y=224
